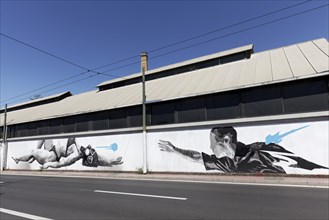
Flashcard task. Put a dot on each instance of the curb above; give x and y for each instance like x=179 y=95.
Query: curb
x=313 y=181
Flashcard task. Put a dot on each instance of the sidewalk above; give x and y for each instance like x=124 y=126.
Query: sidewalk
x=320 y=181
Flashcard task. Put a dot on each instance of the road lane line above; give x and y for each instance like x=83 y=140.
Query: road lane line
x=23 y=215
x=143 y=195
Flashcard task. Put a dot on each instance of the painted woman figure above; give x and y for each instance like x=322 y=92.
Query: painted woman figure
x=229 y=155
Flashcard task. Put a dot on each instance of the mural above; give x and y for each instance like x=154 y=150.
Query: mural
x=291 y=148
x=231 y=155
x=48 y=154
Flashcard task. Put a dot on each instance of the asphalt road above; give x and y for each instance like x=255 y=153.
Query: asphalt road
x=93 y=199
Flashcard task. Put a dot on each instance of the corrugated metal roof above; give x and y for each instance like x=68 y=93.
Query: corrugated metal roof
x=41 y=99
x=248 y=47
x=309 y=59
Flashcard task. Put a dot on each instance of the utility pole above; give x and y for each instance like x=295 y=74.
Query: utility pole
x=144 y=124
x=5 y=143
x=144 y=67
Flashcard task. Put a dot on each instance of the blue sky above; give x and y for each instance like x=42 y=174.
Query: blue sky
x=96 y=33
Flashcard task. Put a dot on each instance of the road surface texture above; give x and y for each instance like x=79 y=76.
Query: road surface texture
x=41 y=197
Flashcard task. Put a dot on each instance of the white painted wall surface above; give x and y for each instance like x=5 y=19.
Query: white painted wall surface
x=310 y=143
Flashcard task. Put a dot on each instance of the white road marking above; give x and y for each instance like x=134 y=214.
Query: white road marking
x=23 y=215
x=143 y=195
x=2 y=182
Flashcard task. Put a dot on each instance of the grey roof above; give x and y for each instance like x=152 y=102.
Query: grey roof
x=249 y=47
x=68 y=93
x=303 y=60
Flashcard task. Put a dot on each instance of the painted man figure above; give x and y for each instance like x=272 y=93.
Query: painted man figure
x=229 y=155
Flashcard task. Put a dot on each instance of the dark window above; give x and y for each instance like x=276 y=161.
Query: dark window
x=262 y=101
x=1 y=133
x=232 y=58
x=208 y=63
x=192 y=109
x=160 y=74
x=134 y=80
x=163 y=113
x=184 y=69
x=55 y=126
x=43 y=127
x=33 y=128
x=69 y=124
x=306 y=96
x=118 y=118
x=100 y=120
x=11 y=132
x=222 y=106
x=135 y=116
x=82 y=123
x=22 y=130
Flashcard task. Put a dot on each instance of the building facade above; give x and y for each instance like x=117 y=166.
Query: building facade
x=233 y=111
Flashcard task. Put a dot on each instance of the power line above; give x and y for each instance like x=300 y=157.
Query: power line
x=46 y=86
x=210 y=32
x=237 y=32
x=233 y=33
x=60 y=86
x=125 y=59
x=133 y=57
x=43 y=51
x=229 y=26
x=230 y=34
x=71 y=77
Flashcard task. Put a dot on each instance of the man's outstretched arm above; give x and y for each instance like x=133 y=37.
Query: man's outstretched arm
x=187 y=154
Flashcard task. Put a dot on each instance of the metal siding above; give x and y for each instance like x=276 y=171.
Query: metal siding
x=184 y=63
x=263 y=68
x=280 y=66
x=298 y=62
x=232 y=76
x=316 y=57
x=323 y=44
x=194 y=80
x=220 y=76
x=247 y=75
x=208 y=75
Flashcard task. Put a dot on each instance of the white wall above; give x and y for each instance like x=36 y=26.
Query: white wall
x=310 y=143
x=1 y=156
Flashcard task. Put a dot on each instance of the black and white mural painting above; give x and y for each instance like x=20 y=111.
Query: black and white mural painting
x=228 y=154
x=291 y=148
x=56 y=155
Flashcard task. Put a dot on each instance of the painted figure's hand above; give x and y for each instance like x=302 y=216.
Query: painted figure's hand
x=117 y=161
x=166 y=146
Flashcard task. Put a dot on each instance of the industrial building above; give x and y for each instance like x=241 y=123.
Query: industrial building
x=259 y=94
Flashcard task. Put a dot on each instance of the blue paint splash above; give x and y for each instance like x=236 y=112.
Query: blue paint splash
x=277 y=138
x=113 y=147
